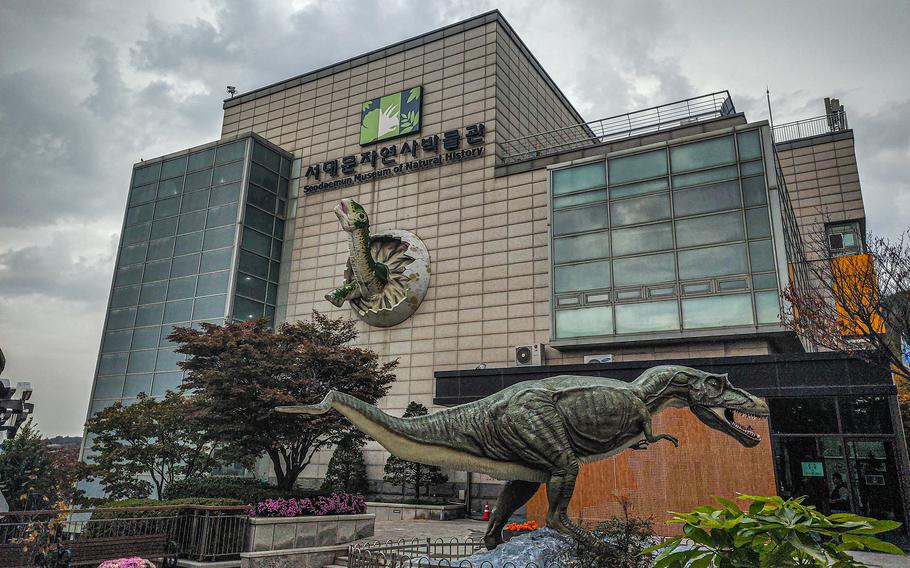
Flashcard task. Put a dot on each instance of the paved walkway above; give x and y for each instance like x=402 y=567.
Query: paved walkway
x=466 y=528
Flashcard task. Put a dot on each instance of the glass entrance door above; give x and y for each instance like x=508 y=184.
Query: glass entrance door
x=873 y=478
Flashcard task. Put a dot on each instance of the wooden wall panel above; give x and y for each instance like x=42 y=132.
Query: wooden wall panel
x=663 y=478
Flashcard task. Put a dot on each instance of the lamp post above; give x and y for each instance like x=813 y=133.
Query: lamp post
x=13 y=411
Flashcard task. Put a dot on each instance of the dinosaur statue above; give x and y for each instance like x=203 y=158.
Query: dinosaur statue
x=540 y=431
x=387 y=274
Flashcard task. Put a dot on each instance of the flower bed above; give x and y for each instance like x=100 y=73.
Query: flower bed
x=334 y=504
x=134 y=562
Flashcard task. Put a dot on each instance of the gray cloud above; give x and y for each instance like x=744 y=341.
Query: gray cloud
x=87 y=89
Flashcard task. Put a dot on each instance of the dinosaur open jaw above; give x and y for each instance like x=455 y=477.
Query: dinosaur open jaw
x=728 y=415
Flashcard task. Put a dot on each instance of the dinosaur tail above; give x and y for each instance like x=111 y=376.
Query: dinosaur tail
x=433 y=439
x=400 y=436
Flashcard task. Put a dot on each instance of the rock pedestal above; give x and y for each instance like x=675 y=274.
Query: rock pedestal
x=544 y=548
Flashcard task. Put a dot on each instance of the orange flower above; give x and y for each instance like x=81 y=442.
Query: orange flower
x=526 y=526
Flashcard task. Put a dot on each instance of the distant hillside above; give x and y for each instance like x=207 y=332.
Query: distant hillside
x=65 y=441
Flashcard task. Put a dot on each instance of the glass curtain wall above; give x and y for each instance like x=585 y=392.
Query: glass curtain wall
x=173 y=268
x=666 y=240
x=262 y=235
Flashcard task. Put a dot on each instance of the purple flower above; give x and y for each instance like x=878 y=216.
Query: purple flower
x=334 y=504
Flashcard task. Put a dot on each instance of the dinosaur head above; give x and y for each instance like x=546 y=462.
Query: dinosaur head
x=351 y=215
x=712 y=399
x=717 y=403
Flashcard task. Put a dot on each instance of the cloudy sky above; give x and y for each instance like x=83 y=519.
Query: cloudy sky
x=88 y=88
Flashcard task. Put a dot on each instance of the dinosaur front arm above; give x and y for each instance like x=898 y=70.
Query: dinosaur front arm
x=350 y=290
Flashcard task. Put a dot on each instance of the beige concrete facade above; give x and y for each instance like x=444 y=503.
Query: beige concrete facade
x=823 y=181
x=487 y=233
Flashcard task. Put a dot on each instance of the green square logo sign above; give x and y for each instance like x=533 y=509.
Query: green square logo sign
x=391 y=116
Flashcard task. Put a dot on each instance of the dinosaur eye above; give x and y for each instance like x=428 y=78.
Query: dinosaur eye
x=713 y=382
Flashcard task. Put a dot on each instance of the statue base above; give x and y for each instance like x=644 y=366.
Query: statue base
x=543 y=547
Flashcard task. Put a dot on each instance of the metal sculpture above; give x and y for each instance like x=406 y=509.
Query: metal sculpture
x=540 y=431
x=387 y=273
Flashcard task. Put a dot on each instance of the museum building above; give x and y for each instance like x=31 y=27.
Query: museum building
x=550 y=245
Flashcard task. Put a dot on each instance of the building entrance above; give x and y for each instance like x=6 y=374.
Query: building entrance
x=839 y=452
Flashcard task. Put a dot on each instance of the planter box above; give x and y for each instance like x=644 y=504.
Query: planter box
x=287 y=533
x=405 y=512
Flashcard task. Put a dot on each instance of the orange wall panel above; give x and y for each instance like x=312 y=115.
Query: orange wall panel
x=663 y=478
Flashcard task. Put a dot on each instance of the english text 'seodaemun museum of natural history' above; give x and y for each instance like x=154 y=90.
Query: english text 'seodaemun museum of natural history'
x=661 y=235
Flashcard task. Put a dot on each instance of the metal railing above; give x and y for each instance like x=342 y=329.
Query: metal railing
x=202 y=533
x=809 y=127
x=418 y=553
x=637 y=123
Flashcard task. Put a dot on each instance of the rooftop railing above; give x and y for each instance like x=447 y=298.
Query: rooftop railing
x=809 y=127
x=631 y=124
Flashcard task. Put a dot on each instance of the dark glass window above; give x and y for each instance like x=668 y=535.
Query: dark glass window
x=264 y=178
x=216 y=260
x=170 y=187
x=195 y=201
x=245 y=309
x=185 y=265
x=251 y=286
x=258 y=220
x=201 y=159
x=261 y=198
x=140 y=214
x=172 y=168
x=266 y=157
x=230 y=152
x=167 y=208
x=228 y=173
x=224 y=194
x=164 y=228
x=146 y=337
x=142 y=194
x=803 y=415
x=865 y=415
x=136 y=234
x=191 y=222
x=150 y=315
x=146 y=174
x=254 y=264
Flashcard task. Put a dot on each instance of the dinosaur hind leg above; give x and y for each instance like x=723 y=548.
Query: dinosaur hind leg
x=515 y=494
x=539 y=437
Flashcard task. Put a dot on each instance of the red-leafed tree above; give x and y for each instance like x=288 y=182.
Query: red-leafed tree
x=859 y=304
x=239 y=372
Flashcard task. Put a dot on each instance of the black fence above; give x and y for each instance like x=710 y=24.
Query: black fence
x=199 y=533
x=430 y=552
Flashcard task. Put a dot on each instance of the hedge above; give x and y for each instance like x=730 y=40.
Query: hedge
x=245 y=489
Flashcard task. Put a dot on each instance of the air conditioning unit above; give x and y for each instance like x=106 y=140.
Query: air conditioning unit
x=599 y=358
x=529 y=355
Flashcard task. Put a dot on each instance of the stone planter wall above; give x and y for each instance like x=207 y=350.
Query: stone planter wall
x=404 y=512
x=268 y=534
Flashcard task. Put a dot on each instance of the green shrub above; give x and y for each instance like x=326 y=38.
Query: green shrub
x=628 y=537
x=346 y=471
x=245 y=489
x=772 y=533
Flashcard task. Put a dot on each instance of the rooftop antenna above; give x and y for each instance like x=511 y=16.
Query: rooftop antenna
x=231 y=90
x=770 y=116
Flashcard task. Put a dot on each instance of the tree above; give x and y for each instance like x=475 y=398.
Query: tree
x=26 y=470
x=858 y=304
x=157 y=439
x=402 y=472
x=239 y=372
x=346 y=471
